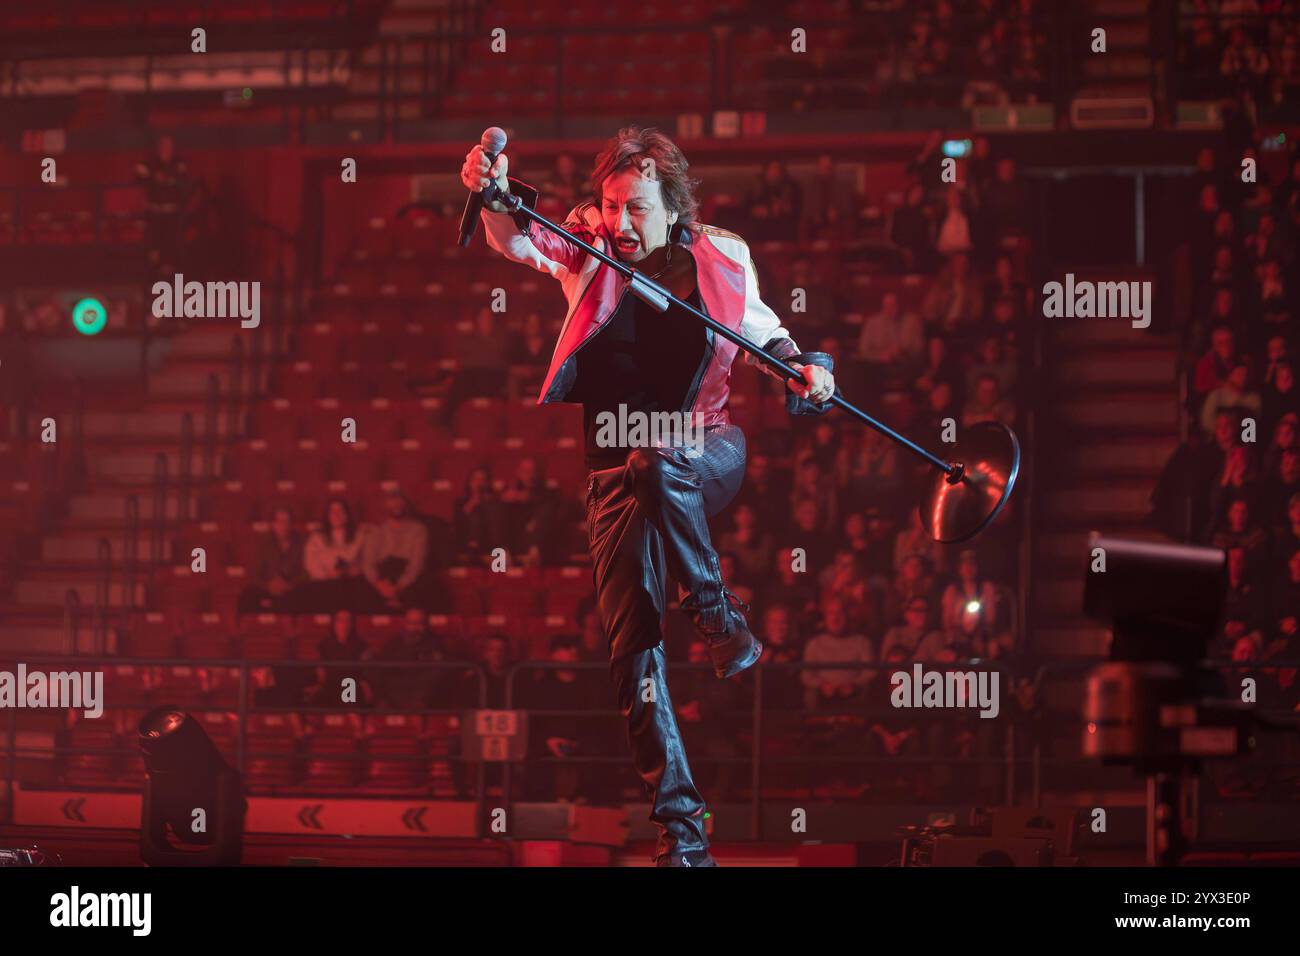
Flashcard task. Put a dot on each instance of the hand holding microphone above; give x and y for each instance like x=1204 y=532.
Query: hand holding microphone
x=484 y=163
x=478 y=171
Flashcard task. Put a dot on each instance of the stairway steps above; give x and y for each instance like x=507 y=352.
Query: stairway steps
x=1116 y=90
x=149 y=425
x=139 y=467
x=1082 y=332
x=1118 y=64
x=1118 y=522
x=68 y=548
x=1098 y=502
x=1057 y=550
x=52 y=593
x=1060 y=546
x=109 y=506
x=1131 y=367
x=1130 y=408
x=32 y=639
x=1108 y=425
x=189 y=380
x=1098 y=458
x=210 y=344
x=1059 y=596
x=1072 y=639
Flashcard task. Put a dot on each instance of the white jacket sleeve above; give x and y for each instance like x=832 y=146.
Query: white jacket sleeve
x=760 y=324
x=538 y=247
x=507 y=238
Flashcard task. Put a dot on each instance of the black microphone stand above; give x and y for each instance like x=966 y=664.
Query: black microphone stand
x=954 y=473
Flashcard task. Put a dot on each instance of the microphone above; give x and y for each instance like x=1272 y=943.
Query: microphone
x=493 y=142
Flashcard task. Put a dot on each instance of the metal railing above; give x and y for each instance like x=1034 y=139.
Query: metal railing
x=77 y=469
x=758 y=717
x=71 y=621
x=130 y=554
x=211 y=427
x=24 y=200
x=184 y=478
x=1006 y=752
x=243 y=705
x=158 y=520
x=1279 y=717
x=103 y=593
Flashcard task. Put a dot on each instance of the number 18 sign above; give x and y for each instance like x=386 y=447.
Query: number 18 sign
x=496 y=735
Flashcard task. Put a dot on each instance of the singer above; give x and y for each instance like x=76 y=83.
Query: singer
x=647 y=506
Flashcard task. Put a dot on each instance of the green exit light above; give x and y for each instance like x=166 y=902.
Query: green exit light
x=248 y=92
x=89 y=317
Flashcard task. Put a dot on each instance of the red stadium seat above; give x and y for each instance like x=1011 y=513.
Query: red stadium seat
x=375 y=239
x=226 y=587
x=379 y=422
x=323 y=419
x=91 y=764
x=300 y=382
x=223 y=727
x=152 y=634
x=230 y=501
x=436 y=498
x=397 y=754
x=418 y=235
x=357 y=463
x=208 y=636
x=407 y=462
x=461 y=457
x=309 y=630
x=272 y=751
x=331 y=751
x=480 y=418
x=514 y=592
x=564 y=466
x=321 y=345
x=258 y=469
x=373 y=346
x=213 y=537
x=266 y=645
x=278 y=422
x=223 y=687
x=127 y=684
x=181 y=685
x=467 y=586
x=182 y=591
x=378 y=629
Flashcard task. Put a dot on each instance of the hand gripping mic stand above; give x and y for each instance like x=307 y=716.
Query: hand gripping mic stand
x=966 y=495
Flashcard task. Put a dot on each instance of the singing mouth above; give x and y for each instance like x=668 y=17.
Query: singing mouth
x=625 y=244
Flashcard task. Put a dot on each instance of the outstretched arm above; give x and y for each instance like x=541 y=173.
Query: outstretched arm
x=515 y=237
x=762 y=327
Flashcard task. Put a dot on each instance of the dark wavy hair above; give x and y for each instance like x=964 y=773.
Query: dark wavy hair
x=350 y=528
x=629 y=147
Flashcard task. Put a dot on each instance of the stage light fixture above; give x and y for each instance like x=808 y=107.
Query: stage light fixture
x=193 y=808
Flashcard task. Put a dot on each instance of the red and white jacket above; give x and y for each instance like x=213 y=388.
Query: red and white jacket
x=728 y=287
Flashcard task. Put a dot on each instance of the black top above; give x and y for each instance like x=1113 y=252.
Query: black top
x=644 y=359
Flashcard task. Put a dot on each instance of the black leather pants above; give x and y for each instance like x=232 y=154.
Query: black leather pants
x=643 y=517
